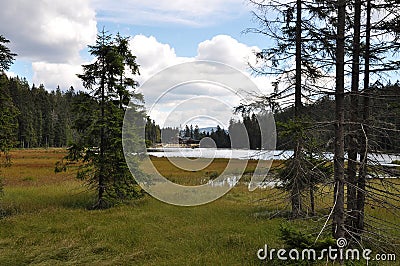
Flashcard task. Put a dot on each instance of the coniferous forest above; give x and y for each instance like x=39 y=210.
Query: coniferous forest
x=45 y=118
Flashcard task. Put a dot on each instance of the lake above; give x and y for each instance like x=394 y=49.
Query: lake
x=384 y=159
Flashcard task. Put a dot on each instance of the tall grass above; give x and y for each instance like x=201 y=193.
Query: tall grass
x=46 y=222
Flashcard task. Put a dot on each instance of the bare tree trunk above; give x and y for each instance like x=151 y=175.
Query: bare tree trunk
x=353 y=144
x=296 y=189
x=338 y=229
x=364 y=136
x=101 y=185
x=297 y=103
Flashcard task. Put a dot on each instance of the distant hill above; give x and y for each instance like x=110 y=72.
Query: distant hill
x=207 y=129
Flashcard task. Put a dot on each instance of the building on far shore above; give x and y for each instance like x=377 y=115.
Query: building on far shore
x=189 y=142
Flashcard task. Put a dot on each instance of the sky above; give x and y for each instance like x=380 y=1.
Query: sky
x=51 y=39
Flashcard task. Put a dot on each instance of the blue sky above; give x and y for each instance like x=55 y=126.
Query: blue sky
x=181 y=30
x=51 y=38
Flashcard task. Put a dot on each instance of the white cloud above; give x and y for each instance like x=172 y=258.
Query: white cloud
x=186 y=12
x=153 y=56
x=11 y=74
x=225 y=49
x=50 y=34
x=53 y=75
x=48 y=30
x=188 y=100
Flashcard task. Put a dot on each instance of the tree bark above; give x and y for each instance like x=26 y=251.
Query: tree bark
x=101 y=188
x=338 y=229
x=352 y=138
x=364 y=135
x=298 y=104
x=296 y=199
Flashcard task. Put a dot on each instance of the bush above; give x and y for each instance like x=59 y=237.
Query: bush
x=295 y=239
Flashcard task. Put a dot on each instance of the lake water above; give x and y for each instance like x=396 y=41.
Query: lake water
x=219 y=153
x=231 y=180
x=385 y=159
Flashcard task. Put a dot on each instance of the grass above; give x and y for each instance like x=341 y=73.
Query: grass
x=46 y=221
x=176 y=174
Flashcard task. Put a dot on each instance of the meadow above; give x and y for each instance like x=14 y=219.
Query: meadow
x=45 y=221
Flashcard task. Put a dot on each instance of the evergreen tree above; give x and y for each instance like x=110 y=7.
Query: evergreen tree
x=8 y=112
x=152 y=133
x=8 y=121
x=221 y=137
x=169 y=135
x=101 y=118
x=187 y=131
x=6 y=56
x=295 y=27
x=352 y=148
x=196 y=133
x=338 y=223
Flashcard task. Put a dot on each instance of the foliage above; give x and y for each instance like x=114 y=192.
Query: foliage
x=296 y=239
x=152 y=133
x=220 y=137
x=44 y=118
x=302 y=174
x=6 y=56
x=8 y=112
x=8 y=118
x=99 y=121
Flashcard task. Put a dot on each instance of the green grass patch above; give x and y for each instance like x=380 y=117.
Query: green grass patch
x=45 y=221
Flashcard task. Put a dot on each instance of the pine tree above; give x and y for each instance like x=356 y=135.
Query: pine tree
x=196 y=133
x=152 y=133
x=352 y=137
x=8 y=112
x=187 y=131
x=295 y=28
x=6 y=56
x=100 y=120
x=338 y=226
x=8 y=121
x=361 y=180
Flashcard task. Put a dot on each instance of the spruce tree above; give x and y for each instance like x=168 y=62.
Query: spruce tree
x=8 y=122
x=8 y=112
x=196 y=133
x=100 y=120
x=6 y=56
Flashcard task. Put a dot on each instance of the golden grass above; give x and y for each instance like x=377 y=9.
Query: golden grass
x=47 y=223
x=217 y=166
x=35 y=167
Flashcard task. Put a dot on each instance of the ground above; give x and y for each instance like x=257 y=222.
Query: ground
x=45 y=221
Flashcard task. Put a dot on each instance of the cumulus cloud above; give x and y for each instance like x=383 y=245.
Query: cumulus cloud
x=180 y=95
x=48 y=30
x=153 y=56
x=50 y=34
x=53 y=75
x=225 y=49
x=186 y=12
